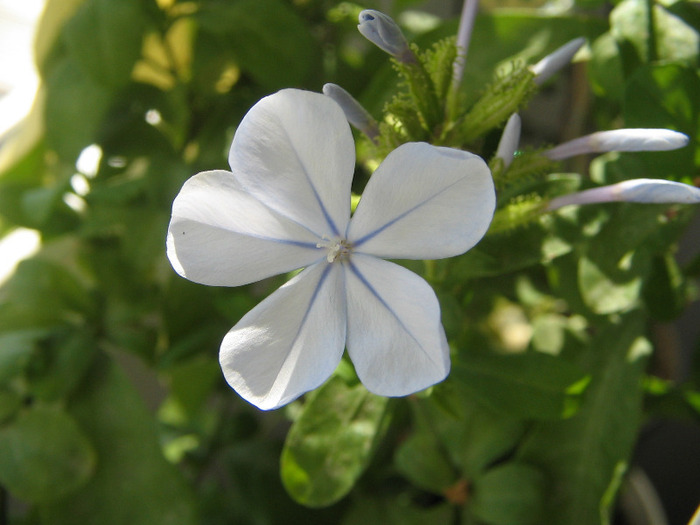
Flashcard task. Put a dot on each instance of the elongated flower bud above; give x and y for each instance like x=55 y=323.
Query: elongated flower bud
x=634 y=139
x=383 y=32
x=354 y=112
x=510 y=139
x=556 y=60
x=649 y=191
x=464 y=35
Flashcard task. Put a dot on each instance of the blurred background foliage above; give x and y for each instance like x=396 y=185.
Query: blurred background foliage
x=113 y=409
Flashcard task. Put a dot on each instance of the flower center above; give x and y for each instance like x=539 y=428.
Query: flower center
x=336 y=248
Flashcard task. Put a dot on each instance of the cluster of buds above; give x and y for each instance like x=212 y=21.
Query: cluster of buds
x=382 y=31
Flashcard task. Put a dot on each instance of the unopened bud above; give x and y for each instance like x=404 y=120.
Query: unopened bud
x=635 y=139
x=383 y=32
x=510 y=139
x=647 y=191
x=464 y=35
x=556 y=60
x=354 y=112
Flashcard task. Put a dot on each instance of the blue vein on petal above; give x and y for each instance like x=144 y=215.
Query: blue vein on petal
x=379 y=298
x=289 y=242
x=379 y=230
x=327 y=216
x=312 y=300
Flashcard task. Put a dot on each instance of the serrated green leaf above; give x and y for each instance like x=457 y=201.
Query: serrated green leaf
x=332 y=441
x=44 y=455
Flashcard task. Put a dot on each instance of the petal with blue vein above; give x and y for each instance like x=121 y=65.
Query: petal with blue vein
x=395 y=337
x=424 y=202
x=294 y=151
x=291 y=342
x=222 y=236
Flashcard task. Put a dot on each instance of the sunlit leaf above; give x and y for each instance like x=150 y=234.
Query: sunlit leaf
x=44 y=455
x=331 y=442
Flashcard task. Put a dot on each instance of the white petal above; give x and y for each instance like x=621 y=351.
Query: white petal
x=222 y=236
x=291 y=342
x=294 y=152
x=395 y=338
x=424 y=202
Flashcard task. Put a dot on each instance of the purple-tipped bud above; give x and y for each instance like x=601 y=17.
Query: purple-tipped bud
x=464 y=35
x=634 y=139
x=383 y=32
x=354 y=112
x=556 y=60
x=648 y=191
x=510 y=139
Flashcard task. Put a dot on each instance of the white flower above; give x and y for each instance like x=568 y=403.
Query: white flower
x=286 y=205
x=646 y=191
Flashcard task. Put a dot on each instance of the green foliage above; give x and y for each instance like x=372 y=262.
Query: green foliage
x=331 y=442
x=112 y=405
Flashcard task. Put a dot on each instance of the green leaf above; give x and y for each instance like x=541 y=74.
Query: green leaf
x=133 y=483
x=262 y=35
x=583 y=452
x=396 y=511
x=480 y=436
x=16 y=349
x=61 y=363
x=665 y=97
x=104 y=37
x=42 y=293
x=332 y=441
x=529 y=385
x=611 y=289
x=75 y=107
x=669 y=39
x=422 y=458
x=509 y=494
x=44 y=455
x=664 y=291
x=10 y=404
x=617 y=259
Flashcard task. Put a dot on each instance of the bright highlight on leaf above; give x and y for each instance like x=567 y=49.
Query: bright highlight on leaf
x=286 y=205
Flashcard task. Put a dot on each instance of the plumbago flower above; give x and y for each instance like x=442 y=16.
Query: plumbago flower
x=285 y=205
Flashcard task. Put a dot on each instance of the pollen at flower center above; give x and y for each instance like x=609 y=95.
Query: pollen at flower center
x=337 y=249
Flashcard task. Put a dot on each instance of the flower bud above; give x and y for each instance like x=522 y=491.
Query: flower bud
x=553 y=62
x=354 y=112
x=383 y=32
x=647 y=191
x=464 y=35
x=634 y=139
x=510 y=139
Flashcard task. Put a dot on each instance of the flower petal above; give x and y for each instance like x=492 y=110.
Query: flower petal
x=395 y=338
x=294 y=152
x=222 y=236
x=424 y=202
x=291 y=342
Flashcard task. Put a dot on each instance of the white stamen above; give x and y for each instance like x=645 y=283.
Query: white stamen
x=337 y=248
